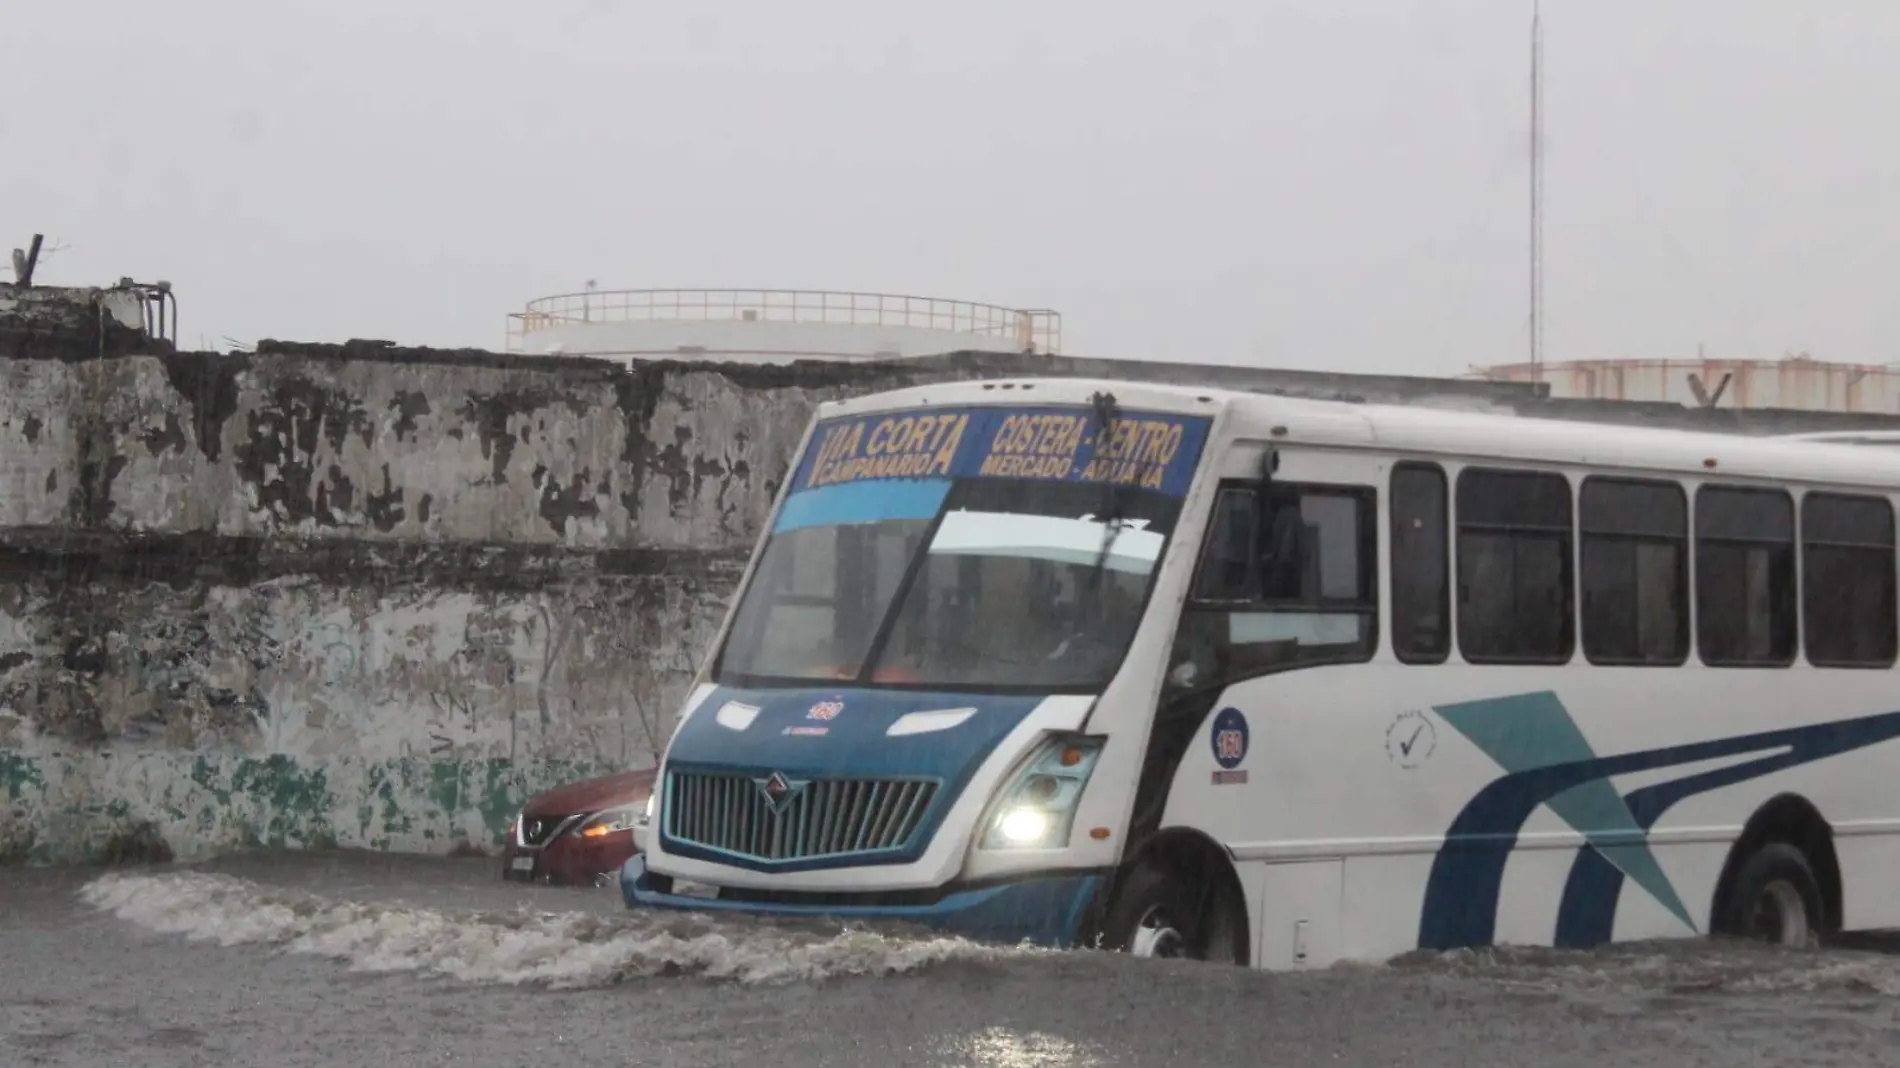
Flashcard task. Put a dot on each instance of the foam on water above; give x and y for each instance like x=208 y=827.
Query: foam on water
x=582 y=949
x=564 y=950
x=1689 y=965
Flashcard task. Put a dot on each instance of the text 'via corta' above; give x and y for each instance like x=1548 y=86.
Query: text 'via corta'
x=907 y=446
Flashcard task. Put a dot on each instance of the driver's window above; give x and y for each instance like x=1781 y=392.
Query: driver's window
x=1283 y=585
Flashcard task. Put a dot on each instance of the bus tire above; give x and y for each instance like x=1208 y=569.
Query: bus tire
x=1775 y=898
x=1161 y=913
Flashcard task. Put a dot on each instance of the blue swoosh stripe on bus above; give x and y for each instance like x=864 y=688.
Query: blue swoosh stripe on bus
x=1461 y=897
x=1534 y=732
x=863 y=502
x=1587 y=916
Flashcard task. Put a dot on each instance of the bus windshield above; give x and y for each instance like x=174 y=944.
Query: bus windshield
x=971 y=581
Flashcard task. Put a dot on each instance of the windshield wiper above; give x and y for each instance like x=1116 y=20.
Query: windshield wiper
x=1106 y=414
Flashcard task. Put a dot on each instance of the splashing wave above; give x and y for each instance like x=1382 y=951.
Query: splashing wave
x=561 y=950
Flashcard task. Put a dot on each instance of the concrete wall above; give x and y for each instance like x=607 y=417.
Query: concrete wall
x=305 y=597
x=375 y=596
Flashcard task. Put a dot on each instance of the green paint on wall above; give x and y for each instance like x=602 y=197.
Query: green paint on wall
x=296 y=800
x=210 y=775
x=19 y=775
x=204 y=802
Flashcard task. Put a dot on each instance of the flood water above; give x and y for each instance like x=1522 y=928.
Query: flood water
x=349 y=959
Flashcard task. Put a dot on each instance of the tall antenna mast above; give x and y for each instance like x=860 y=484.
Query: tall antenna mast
x=1537 y=193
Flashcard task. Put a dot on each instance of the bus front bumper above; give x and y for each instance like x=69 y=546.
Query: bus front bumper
x=1047 y=910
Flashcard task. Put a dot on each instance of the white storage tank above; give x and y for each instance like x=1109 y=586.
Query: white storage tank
x=772 y=325
x=1799 y=382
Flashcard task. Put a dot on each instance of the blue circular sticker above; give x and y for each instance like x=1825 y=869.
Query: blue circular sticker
x=1230 y=738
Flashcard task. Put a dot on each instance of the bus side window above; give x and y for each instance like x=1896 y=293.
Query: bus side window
x=1847 y=580
x=1744 y=577
x=1635 y=571
x=1421 y=567
x=1298 y=589
x=1515 y=601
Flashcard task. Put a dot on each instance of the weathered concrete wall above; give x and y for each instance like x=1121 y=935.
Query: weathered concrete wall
x=370 y=598
x=373 y=596
x=39 y=448
x=293 y=699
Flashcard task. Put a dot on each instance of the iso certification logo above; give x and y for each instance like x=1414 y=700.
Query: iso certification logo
x=1410 y=740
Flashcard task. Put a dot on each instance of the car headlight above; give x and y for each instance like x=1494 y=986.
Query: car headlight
x=653 y=804
x=1036 y=808
x=608 y=821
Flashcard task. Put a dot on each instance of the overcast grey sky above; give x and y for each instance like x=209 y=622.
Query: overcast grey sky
x=1324 y=183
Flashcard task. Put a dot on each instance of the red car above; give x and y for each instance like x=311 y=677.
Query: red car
x=579 y=834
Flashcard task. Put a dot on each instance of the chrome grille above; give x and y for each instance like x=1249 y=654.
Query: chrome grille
x=733 y=813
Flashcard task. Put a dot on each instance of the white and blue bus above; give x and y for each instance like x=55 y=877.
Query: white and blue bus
x=1283 y=682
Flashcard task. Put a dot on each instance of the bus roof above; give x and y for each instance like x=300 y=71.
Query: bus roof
x=1427 y=431
x=1851 y=437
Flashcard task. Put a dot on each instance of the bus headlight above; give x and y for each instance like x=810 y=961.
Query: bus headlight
x=1035 y=809
x=1023 y=826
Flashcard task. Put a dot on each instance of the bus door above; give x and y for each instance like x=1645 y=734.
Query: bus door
x=1285 y=578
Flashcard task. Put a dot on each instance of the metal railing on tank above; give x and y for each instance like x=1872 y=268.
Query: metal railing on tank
x=1023 y=330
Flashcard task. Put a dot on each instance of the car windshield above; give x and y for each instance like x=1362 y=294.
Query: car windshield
x=978 y=581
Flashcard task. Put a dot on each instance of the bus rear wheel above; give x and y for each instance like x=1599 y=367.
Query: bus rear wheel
x=1775 y=899
x=1160 y=913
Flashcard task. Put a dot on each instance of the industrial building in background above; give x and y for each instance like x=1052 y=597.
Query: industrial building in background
x=764 y=326
x=768 y=326
x=147 y=311
x=1796 y=382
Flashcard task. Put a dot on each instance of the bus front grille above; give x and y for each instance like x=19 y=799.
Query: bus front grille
x=774 y=817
